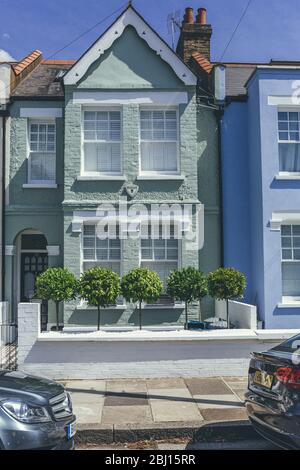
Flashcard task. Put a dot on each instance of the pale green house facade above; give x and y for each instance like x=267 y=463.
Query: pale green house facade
x=121 y=124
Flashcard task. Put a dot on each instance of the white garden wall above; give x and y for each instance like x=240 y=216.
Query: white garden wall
x=243 y=316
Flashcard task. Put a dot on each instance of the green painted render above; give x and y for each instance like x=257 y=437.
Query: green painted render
x=130 y=63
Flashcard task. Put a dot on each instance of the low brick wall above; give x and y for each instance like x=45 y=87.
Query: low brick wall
x=132 y=359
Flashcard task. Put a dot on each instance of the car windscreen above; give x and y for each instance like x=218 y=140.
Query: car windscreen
x=291 y=345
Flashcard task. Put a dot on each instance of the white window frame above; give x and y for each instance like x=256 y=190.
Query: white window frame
x=287 y=299
x=159 y=108
x=287 y=110
x=83 y=141
x=31 y=121
x=94 y=261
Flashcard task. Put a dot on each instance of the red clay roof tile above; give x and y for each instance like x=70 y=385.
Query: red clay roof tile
x=20 y=66
x=202 y=62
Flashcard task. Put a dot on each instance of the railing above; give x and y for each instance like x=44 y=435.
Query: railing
x=8 y=346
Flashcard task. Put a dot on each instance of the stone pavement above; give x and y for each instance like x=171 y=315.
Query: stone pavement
x=158 y=402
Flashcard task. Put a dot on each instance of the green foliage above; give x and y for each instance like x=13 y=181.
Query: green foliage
x=57 y=284
x=141 y=285
x=187 y=285
x=226 y=284
x=100 y=287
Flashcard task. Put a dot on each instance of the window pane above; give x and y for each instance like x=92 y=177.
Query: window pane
x=296 y=242
x=287 y=254
x=286 y=242
x=286 y=229
x=297 y=254
x=293 y=116
x=90 y=157
x=282 y=116
x=289 y=157
x=42 y=167
x=291 y=279
x=88 y=254
x=89 y=230
x=283 y=126
x=296 y=230
x=283 y=136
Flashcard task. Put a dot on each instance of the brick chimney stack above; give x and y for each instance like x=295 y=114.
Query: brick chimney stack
x=195 y=35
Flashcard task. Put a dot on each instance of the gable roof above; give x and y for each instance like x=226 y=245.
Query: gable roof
x=130 y=17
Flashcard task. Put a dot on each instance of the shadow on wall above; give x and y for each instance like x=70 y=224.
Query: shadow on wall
x=113 y=317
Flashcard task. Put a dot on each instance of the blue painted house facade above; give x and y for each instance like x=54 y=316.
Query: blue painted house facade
x=261 y=187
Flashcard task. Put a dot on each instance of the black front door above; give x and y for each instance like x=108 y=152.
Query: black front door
x=33 y=264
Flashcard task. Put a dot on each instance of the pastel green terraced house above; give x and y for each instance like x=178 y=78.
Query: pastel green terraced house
x=122 y=123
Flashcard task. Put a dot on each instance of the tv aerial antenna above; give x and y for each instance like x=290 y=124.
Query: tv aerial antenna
x=173 y=23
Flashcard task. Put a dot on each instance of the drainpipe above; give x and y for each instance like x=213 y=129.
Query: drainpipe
x=4 y=116
x=219 y=115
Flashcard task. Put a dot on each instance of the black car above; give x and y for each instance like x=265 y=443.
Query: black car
x=35 y=413
x=273 y=397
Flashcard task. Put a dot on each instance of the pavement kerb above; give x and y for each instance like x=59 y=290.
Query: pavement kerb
x=197 y=431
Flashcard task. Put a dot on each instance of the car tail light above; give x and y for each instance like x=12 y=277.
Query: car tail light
x=288 y=376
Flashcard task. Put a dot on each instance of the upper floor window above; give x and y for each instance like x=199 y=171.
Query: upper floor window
x=102 y=142
x=159 y=140
x=289 y=141
x=42 y=156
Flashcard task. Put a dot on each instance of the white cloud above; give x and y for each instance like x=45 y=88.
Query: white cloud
x=5 y=56
x=6 y=36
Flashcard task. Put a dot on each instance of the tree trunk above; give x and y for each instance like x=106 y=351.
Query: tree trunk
x=99 y=317
x=57 y=315
x=227 y=311
x=200 y=312
x=186 y=326
x=140 y=315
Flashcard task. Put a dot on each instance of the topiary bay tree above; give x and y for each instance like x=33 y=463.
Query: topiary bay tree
x=58 y=285
x=141 y=285
x=187 y=285
x=100 y=287
x=226 y=284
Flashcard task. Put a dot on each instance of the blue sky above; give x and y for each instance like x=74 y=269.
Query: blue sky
x=270 y=28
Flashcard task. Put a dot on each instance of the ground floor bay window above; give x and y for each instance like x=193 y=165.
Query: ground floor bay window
x=105 y=253
x=290 y=249
x=160 y=254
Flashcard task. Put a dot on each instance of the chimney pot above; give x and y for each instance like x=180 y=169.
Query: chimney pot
x=201 y=17
x=189 y=15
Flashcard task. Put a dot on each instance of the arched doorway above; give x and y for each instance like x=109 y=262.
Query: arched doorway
x=32 y=260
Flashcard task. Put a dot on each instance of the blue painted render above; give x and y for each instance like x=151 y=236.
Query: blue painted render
x=251 y=193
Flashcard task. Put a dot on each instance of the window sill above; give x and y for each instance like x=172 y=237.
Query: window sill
x=161 y=177
x=102 y=178
x=287 y=176
x=291 y=304
x=40 y=186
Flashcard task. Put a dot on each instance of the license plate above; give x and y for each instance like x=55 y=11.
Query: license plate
x=71 y=430
x=263 y=379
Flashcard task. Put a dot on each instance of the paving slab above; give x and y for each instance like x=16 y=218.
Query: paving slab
x=217 y=401
x=232 y=414
x=201 y=386
x=126 y=386
x=173 y=404
x=126 y=399
x=126 y=414
x=89 y=413
x=94 y=385
x=165 y=383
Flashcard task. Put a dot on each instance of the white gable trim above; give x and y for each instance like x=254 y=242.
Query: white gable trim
x=128 y=97
x=130 y=17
